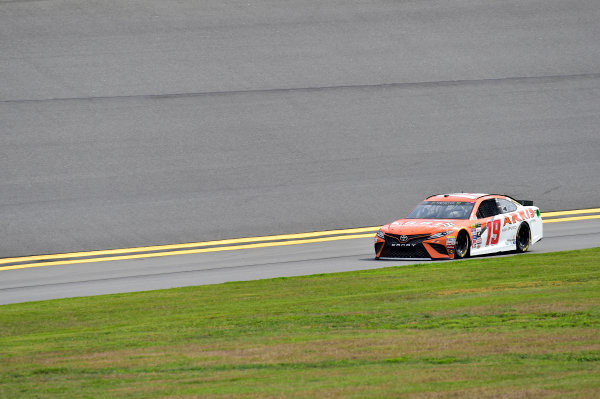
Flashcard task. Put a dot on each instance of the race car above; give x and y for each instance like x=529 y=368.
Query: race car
x=455 y=226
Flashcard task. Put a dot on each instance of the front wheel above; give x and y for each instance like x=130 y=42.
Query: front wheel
x=523 y=238
x=461 y=249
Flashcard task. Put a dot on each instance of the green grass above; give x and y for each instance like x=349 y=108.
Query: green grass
x=522 y=326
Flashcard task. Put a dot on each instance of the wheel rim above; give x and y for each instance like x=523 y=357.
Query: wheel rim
x=523 y=238
x=462 y=244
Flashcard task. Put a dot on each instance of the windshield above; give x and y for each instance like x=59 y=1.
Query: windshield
x=442 y=210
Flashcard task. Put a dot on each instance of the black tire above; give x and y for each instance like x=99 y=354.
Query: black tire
x=462 y=248
x=523 y=238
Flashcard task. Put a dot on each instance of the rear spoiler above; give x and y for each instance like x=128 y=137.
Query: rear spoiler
x=525 y=202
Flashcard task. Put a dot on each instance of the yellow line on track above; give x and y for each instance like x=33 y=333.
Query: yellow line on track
x=573 y=212
x=571 y=219
x=231 y=244
x=189 y=251
x=189 y=245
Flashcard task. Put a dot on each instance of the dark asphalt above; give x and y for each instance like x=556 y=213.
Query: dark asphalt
x=133 y=123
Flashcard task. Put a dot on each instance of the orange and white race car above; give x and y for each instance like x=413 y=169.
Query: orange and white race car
x=455 y=226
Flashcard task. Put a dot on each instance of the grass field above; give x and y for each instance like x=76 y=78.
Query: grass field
x=525 y=326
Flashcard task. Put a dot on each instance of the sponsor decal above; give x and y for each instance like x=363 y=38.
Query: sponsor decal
x=450 y=242
x=518 y=217
x=476 y=233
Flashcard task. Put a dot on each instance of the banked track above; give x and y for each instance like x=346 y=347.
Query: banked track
x=134 y=269
x=129 y=123
x=124 y=124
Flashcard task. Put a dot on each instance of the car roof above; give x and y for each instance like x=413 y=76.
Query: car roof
x=457 y=197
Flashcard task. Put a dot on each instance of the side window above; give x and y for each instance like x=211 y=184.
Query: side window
x=487 y=209
x=506 y=206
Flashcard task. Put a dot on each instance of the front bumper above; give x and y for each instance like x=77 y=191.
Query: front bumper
x=412 y=247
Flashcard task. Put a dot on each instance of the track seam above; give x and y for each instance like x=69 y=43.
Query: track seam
x=458 y=82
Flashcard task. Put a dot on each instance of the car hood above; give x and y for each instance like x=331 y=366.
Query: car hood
x=419 y=226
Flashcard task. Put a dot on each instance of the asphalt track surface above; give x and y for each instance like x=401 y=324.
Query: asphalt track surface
x=297 y=257
x=143 y=122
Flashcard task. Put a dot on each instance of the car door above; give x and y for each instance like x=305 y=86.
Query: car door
x=510 y=224
x=487 y=229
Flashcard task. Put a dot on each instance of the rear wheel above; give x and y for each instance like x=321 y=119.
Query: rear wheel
x=461 y=249
x=523 y=237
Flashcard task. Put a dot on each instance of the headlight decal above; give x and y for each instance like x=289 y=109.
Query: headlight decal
x=440 y=234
